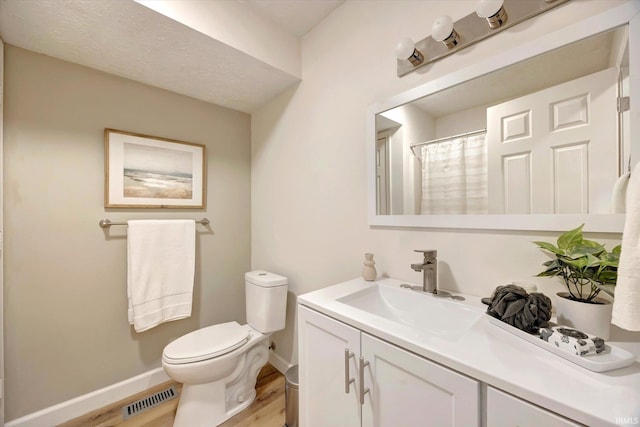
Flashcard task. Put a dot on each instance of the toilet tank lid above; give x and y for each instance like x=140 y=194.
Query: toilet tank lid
x=265 y=279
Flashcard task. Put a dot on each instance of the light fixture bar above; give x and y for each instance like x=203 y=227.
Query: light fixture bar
x=471 y=29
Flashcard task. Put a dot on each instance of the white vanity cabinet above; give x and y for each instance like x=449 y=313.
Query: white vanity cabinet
x=323 y=399
x=434 y=362
x=504 y=410
x=391 y=386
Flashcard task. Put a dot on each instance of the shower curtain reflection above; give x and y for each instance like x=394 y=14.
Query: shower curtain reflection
x=454 y=176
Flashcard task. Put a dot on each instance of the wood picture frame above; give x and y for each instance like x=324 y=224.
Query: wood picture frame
x=143 y=171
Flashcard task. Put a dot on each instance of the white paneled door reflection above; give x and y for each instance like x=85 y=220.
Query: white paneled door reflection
x=550 y=151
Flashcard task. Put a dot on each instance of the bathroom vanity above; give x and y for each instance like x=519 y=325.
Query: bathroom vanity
x=380 y=354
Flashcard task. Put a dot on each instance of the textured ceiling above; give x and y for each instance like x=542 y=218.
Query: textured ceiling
x=127 y=39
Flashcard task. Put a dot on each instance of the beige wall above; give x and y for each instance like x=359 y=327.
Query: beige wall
x=309 y=215
x=66 y=325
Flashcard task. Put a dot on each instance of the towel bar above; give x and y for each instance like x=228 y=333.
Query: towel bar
x=106 y=223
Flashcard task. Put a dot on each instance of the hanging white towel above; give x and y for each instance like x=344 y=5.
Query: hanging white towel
x=626 y=304
x=619 y=197
x=161 y=270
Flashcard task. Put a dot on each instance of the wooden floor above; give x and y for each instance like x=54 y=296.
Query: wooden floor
x=267 y=410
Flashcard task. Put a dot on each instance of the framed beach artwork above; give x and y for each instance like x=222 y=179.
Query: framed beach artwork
x=144 y=171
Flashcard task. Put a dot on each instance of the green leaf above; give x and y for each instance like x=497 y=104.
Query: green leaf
x=617 y=250
x=579 y=263
x=549 y=247
x=554 y=268
x=548 y=273
x=593 y=261
x=553 y=264
x=570 y=238
x=609 y=277
x=581 y=250
x=591 y=243
x=610 y=259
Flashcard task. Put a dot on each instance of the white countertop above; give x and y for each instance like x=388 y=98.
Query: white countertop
x=503 y=360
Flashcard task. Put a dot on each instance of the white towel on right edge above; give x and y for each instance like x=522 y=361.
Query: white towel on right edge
x=626 y=304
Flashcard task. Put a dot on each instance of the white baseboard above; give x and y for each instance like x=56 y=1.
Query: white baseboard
x=84 y=404
x=81 y=405
x=278 y=362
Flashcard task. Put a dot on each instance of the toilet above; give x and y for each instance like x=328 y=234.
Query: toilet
x=219 y=365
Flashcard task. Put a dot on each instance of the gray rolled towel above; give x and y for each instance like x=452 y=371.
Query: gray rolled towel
x=513 y=305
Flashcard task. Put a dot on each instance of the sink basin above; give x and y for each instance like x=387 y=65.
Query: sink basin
x=434 y=315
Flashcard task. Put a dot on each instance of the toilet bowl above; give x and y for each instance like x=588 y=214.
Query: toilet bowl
x=218 y=365
x=218 y=380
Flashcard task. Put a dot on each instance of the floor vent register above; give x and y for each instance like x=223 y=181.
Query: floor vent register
x=149 y=402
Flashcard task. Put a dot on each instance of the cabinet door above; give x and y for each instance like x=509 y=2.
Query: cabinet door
x=504 y=410
x=322 y=342
x=409 y=391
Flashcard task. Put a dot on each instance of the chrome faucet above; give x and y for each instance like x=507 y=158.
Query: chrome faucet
x=429 y=268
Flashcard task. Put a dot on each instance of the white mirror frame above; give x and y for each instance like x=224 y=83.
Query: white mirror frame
x=627 y=13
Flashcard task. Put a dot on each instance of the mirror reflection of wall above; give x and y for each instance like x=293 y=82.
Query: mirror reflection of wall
x=541 y=136
x=400 y=126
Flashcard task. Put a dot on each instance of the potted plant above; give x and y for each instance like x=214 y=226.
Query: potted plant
x=587 y=269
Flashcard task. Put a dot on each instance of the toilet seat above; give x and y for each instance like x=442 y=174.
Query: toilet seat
x=206 y=343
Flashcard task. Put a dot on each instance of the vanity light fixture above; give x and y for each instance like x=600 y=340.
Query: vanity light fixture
x=493 y=11
x=406 y=50
x=443 y=31
x=448 y=37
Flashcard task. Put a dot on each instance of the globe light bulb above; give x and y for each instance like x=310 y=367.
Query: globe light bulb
x=405 y=48
x=487 y=8
x=442 y=31
x=493 y=11
x=442 y=28
x=406 y=51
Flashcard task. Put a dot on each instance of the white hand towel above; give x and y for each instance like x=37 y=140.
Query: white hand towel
x=161 y=270
x=626 y=304
x=619 y=196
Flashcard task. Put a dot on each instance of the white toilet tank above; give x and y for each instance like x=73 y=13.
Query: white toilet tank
x=266 y=300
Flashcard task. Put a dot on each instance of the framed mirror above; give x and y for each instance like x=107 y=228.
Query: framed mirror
x=532 y=139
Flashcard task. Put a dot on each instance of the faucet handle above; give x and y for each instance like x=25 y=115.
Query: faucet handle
x=428 y=253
